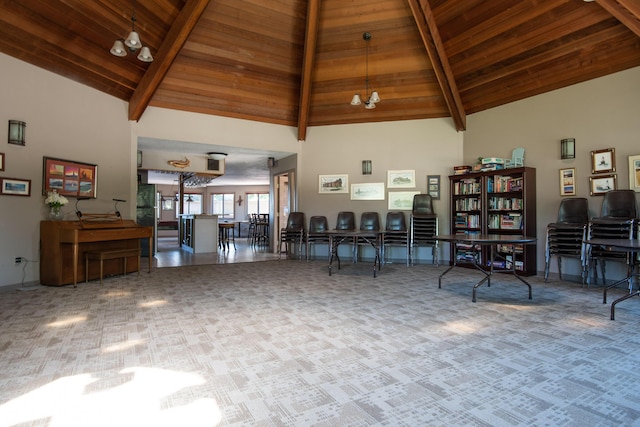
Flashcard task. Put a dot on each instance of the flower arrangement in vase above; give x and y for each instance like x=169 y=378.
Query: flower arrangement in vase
x=55 y=202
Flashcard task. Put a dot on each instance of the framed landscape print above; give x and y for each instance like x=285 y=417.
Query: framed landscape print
x=603 y=161
x=15 y=187
x=69 y=178
x=333 y=184
x=401 y=179
x=401 y=200
x=367 y=191
x=602 y=184
x=568 y=182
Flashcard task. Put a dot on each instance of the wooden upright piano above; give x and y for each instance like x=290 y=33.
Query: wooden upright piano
x=63 y=244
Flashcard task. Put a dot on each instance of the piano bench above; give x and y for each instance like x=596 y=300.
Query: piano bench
x=110 y=254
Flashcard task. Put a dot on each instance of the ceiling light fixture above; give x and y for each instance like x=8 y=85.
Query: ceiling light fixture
x=132 y=43
x=373 y=98
x=217 y=156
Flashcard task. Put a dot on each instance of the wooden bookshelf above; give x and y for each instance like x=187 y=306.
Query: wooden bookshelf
x=495 y=202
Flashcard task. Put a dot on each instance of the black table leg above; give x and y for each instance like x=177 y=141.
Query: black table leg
x=613 y=285
x=613 y=304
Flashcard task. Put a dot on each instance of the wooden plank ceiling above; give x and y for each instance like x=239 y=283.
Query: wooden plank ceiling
x=299 y=62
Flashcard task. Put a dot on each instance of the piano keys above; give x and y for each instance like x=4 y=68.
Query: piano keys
x=63 y=244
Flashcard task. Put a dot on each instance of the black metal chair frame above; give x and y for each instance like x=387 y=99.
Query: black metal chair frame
x=314 y=236
x=396 y=235
x=293 y=234
x=565 y=237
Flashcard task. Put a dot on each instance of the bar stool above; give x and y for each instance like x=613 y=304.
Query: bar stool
x=226 y=234
x=260 y=235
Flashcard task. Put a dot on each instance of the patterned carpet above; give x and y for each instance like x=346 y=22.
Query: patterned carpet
x=281 y=343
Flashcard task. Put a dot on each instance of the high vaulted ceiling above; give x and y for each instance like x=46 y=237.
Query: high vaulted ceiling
x=299 y=62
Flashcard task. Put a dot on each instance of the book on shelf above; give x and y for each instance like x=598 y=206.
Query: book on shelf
x=511 y=221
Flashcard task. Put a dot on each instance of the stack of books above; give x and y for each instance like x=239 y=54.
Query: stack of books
x=492 y=164
x=460 y=170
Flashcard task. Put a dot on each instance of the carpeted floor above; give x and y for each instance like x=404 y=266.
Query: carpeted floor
x=281 y=343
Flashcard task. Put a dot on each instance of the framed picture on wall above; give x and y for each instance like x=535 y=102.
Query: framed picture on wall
x=1 y=161
x=634 y=173
x=602 y=184
x=69 y=178
x=15 y=187
x=603 y=161
x=401 y=200
x=401 y=179
x=568 y=182
x=367 y=191
x=333 y=184
x=433 y=186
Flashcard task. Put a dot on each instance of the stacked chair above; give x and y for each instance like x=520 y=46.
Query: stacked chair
x=396 y=233
x=424 y=225
x=317 y=234
x=617 y=220
x=565 y=238
x=293 y=234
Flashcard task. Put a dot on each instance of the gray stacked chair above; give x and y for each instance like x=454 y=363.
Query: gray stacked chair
x=317 y=234
x=424 y=225
x=396 y=233
x=565 y=237
x=293 y=234
x=617 y=220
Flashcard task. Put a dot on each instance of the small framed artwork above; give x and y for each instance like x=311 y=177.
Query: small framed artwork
x=401 y=200
x=333 y=184
x=16 y=187
x=602 y=184
x=401 y=179
x=69 y=178
x=433 y=186
x=568 y=182
x=634 y=173
x=603 y=161
x=1 y=161
x=367 y=191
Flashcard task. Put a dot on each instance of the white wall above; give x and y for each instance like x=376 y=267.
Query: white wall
x=65 y=120
x=430 y=147
x=600 y=113
x=71 y=121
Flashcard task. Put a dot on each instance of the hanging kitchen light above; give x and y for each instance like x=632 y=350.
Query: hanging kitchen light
x=132 y=43
x=371 y=98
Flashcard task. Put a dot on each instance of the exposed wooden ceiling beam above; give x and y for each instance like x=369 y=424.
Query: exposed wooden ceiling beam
x=625 y=11
x=173 y=42
x=310 y=41
x=435 y=49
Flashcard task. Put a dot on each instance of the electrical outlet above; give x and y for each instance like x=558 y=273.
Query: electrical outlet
x=18 y=259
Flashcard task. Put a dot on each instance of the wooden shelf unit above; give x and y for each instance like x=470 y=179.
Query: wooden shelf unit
x=495 y=202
